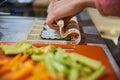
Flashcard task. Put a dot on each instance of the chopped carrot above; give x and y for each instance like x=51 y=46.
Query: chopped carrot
x=22 y=68
x=8 y=66
x=3 y=62
x=4 y=69
x=14 y=60
x=41 y=73
x=24 y=72
x=17 y=66
x=24 y=57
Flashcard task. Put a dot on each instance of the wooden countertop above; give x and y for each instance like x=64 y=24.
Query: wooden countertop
x=109 y=27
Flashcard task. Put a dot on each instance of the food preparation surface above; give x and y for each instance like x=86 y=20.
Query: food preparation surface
x=90 y=35
x=35 y=31
x=93 y=52
x=14 y=29
x=34 y=34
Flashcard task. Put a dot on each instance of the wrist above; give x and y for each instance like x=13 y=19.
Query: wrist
x=85 y=3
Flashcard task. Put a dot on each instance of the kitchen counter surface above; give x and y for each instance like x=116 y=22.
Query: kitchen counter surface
x=108 y=26
x=14 y=29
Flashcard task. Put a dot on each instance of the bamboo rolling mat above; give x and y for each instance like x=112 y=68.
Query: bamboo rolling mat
x=35 y=31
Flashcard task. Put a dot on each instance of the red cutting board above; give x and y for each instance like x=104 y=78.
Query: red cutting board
x=93 y=52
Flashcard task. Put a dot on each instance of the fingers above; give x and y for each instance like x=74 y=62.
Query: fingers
x=55 y=27
x=55 y=12
x=50 y=21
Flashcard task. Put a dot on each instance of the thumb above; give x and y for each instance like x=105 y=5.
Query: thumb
x=50 y=21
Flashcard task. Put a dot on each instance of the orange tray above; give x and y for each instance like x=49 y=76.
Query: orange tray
x=93 y=52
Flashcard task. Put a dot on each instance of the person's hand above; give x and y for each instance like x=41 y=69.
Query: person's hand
x=63 y=10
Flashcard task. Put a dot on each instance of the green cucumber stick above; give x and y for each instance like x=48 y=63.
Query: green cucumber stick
x=1 y=45
x=60 y=53
x=86 y=61
x=38 y=58
x=73 y=74
x=21 y=43
x=50 y=68
x=86 y=70
x=60 y=68
x=96 y=74
x=33 y=51
x=21 y=49
x=17 y=45
x=47 y=61
x=70 y=63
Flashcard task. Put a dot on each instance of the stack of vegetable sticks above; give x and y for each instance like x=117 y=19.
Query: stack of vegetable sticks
x=52 y=64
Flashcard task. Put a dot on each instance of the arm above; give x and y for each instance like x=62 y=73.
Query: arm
x=66 y=9
x=63 y=9
x=108 y=7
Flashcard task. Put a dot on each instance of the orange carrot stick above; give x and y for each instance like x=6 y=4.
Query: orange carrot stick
x=14 y=60
x=8 y=66
x=24 y=72
x=40 y=73
x=24 y=57
x=3 y=62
